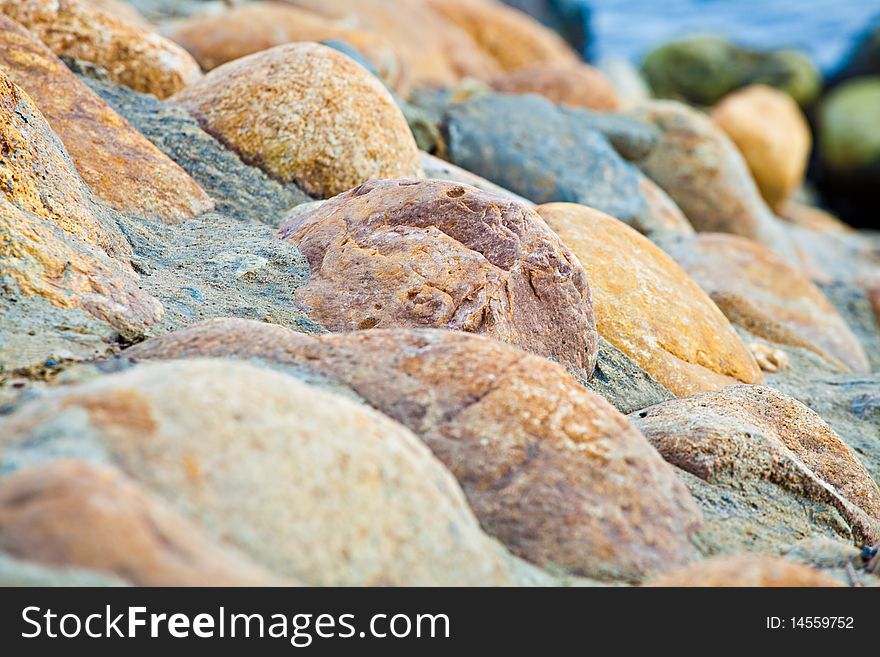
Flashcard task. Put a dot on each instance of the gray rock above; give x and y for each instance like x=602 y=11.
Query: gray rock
x=237 y=189
x=855 y=309
x=623 y=383
x=15 y=572
x=545 y=153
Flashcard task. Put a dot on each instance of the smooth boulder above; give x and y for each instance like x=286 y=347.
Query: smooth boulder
x=410 y=253
x=648 y=307
x=308 y=114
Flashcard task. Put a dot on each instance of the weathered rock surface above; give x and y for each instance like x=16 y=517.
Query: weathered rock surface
x=409 y=253
x=237 y=189
x=748 y=571
x=649 y=308
x=622 y=382
x=703 y=69
x=436 y=50
x=250 y=455
x=438 y=169
x=813 y=218
x=577 y=85
x=663 y=215
x=854 y=305
x=758 y=290
x=133 y=56
x=766 y=470
x=702 y=171
x=120 y=166
x=549 y=468
x=308 y=114
x=511 y=38
x=772 y=134
x=219 y=38
x=69 y=513
x=545 y=153
x=18 y=572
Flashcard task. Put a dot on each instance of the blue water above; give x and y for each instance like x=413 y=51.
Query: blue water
x=825 y=29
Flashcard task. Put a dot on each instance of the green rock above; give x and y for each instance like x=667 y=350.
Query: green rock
x=849 y=125
x=703 y=69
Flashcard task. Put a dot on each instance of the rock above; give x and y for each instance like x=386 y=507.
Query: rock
x=71 y=513
x=510 y=37
x=217 y=39
x=577 y=85
x=250 y=455
x=122 y=10
x=747 y=571
x=622 y=382
x=37 y=175
x=663 y=216
x=769 y=358
x=549 y=467
x=704 y=69
x=545 y=153
x=843 y=561
x=813 y=218
x=363 y=136
x=438 y=169
x=772 y=134
x=854 y=305
x=408 y=253
x=849 y=149
x=45 y=267
x=628 y=83
x=17 y=572
x=765 y=469
x=569 y=18
x=758 y=290
x=649 y=308
x=124 y=169
x=437 y=52
x=133 y=56
x=237 y=189
x=702 y=171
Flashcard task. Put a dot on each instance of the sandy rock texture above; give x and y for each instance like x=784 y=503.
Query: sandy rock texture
x=120 y=166
x=250 y=456
x=133 y=56
x=766 y=470
x=648 y=307
x=300 y=112
x=409 y=253
x=550 y=468
x=748 y=571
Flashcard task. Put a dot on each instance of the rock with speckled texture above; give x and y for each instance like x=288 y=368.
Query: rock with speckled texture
x=352 y=130
x=133 y=56
x=648 y=307
x=249 y=455
x=120 y=166
x=74 y=514
x=410 y=253
x=758 y=290
x=550 y=468
x=766 y=470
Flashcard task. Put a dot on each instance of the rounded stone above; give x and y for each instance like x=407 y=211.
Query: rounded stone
x=648 y=307
x=133 y=56
x=308 y=114
x=395 y=253
x=578 y=85
x=772 y=134
x=747 y=571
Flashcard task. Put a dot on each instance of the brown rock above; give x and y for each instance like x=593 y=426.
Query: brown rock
x=308 y=484
x=436 y=51
x=134 y=57
x=663 y=215
x=394 y=253
x=772 y=134
x=216 y=39
x=747 y=571
x=120 y=165
x=578 y=85
x=308 y=114
x=41 y=259
x=704 y=173
x=648 y=307
x=767 y=470
x=813 y=218
x=123 y=10
x=72 y=513
x=758 y=290
x=513 y=39
x=550 y=468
